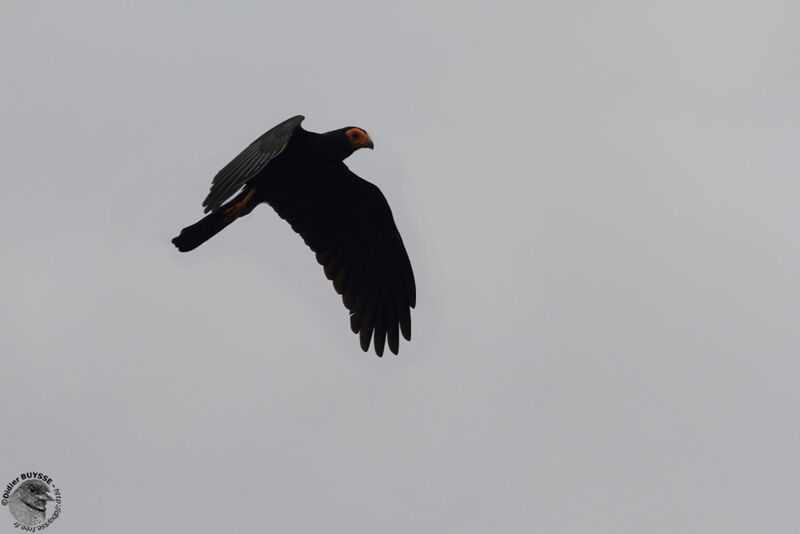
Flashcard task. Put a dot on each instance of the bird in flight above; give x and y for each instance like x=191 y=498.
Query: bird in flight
x=343 y=218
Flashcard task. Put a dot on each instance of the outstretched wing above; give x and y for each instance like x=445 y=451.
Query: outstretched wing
x=250 y=162
x=349 y=225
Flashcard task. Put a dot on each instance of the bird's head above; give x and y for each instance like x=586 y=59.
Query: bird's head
x=348 y=140
x=34 y=494
x=358 y=138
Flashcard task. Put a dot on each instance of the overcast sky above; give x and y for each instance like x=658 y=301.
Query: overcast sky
x=600 y=202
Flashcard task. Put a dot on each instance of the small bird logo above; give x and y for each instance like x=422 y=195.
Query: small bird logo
x=28 y=504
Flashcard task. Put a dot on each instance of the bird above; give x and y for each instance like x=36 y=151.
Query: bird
x=344 y=219
x=28 y=504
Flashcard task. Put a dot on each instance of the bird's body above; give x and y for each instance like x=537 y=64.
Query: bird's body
x=344 y=219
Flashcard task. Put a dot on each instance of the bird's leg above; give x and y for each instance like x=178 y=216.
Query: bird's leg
x=241 y=208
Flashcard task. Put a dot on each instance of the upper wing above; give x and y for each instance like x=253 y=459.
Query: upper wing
x=250 y=162
x=349 y=225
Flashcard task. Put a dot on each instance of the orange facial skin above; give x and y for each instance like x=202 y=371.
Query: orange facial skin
x=359 y=138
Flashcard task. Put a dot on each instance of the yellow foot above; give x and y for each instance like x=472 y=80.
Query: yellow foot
x=241 y=208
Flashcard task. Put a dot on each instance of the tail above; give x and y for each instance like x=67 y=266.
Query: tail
x=195 y=235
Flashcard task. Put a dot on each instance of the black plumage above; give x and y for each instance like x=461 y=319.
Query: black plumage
x=344 y=219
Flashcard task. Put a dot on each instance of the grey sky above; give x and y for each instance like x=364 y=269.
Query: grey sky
x=600 y=204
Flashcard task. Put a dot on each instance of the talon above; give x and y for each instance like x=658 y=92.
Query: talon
x=239 y=209
x=232 y=213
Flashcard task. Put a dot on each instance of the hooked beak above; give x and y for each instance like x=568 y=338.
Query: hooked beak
x=369 y=145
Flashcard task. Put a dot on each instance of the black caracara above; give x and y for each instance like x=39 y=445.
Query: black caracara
x=343 y=218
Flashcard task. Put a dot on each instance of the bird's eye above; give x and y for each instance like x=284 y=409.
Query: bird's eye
x=32 y=489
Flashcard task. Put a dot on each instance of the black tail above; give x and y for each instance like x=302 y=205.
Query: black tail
x=195 y=235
